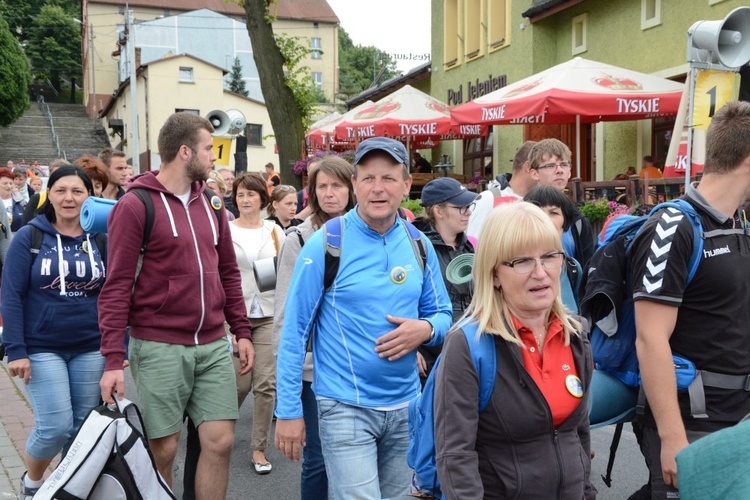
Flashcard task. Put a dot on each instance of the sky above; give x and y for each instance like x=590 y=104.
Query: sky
x=399 y=27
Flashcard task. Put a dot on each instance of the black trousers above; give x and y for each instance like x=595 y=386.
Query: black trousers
x=192 y=453
x=650 y=443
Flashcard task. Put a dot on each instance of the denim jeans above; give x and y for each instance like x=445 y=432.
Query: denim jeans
x=314 y=481
x=62 y=390
x=364 y=450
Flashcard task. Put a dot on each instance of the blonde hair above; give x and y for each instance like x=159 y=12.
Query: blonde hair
x=509 y=230
x=219 y=180
x=279 y=193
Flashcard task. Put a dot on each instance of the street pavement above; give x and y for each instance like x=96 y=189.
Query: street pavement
x=16 y=420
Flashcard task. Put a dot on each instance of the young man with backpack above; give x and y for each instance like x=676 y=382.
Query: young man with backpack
x=176 y=304
x=367 y=325
x=705 y=321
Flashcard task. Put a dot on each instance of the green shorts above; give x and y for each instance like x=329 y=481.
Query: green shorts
x=171 y=379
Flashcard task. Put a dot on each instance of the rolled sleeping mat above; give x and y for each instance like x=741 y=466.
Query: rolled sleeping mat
x=94 y=214
x=459 y=269
x=265 y=274
x=610 y=400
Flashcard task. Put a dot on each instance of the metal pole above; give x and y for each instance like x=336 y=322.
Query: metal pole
x=133 y=93
x=578 y=146
x=93 y=67
x=691 y=103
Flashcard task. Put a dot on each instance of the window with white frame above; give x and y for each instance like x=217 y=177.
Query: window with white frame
x=650 y=13
x=316 y=51
x=254 y=134
x=186 y=75
x=579 y=35
x=317 y=79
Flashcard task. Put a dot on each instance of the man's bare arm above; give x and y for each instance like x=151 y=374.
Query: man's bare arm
x=654 y=326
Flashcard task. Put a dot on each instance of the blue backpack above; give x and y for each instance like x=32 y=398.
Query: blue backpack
x=421 y=453
x=608 y=304
x=334 y=237
x=613 y=320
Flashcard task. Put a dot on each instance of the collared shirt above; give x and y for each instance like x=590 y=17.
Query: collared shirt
x=553 y=370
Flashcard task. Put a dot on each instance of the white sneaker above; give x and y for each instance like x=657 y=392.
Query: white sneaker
x=26 y=493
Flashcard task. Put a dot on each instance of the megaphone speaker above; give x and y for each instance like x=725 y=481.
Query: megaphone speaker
x=220 y=121
x=727 y=40
x=236 y=121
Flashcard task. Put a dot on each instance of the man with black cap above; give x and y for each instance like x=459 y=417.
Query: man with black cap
x=382 y=305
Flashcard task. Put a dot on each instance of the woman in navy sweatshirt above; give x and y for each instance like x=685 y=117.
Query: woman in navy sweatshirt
x=51 y=329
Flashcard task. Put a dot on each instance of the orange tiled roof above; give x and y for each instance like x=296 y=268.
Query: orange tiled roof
x=308 y=10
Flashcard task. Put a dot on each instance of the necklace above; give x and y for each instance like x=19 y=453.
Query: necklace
x=539 y=340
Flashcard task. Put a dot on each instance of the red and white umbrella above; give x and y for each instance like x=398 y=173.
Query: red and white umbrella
x=590 y=90
x=577 y=91
x=326 y=120
x=321 y=133
x=407 y=114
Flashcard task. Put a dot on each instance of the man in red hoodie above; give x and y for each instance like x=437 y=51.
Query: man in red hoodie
x=188 y=284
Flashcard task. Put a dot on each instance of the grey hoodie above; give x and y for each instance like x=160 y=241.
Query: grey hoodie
x=284 y=270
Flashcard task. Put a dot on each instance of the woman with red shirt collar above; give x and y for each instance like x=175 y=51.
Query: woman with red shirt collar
x=532 y=440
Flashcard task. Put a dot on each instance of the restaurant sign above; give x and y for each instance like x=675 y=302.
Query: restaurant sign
x=476 y=89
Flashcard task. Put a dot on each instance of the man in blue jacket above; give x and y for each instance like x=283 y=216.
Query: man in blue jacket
x=367 y=326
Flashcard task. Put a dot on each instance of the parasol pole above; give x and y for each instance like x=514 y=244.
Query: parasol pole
x=408 y=153
x=692 y=75
x=578 y=146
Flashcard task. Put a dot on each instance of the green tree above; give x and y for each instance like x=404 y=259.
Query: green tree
x=298 y=78
x=236 y=83
x=54 y=45
x=277 y=59
x=16 y=77
x=20 y=14
x=360 y=65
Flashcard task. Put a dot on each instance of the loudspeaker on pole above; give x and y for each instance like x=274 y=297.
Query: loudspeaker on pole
x=220 y=121
x=726 y=41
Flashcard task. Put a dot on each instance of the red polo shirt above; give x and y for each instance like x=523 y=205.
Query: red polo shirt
x=554 y=370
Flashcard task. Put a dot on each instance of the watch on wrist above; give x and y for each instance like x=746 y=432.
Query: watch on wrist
x=432 y=332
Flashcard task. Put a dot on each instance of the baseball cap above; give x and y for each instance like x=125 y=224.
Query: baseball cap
x=445 y=189
x=390 y=146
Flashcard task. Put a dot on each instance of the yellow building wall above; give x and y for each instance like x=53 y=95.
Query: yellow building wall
x=160 y=93
x=328 y=63
x=103 y=21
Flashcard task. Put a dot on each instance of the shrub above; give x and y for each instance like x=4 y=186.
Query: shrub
x=599 y=210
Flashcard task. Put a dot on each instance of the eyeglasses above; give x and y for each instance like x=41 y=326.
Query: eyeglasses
x=285 y=187
x=525 y=265
x=563 y=164
x=463 y=210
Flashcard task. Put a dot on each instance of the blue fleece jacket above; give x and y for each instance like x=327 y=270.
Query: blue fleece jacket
x=37 y=315
x=378 y=275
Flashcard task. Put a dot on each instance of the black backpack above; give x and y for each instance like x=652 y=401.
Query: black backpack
x=37 y=235
x=145 y=197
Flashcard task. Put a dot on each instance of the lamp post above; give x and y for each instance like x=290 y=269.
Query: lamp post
x=90 y=58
